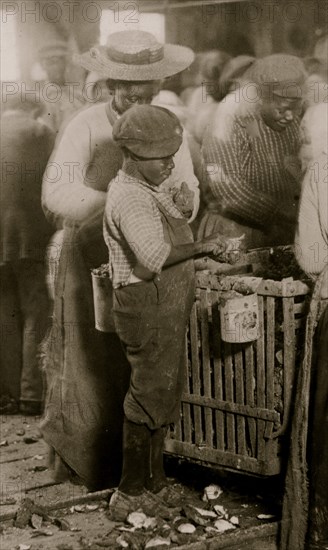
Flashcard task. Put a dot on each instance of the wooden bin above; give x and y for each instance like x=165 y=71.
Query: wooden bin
x=236 y=400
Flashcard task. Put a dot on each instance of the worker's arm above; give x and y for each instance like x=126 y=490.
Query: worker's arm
x=182 y=252
x=65 y=193
x=186 y=251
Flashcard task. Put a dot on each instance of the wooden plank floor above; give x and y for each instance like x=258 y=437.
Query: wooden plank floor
x=24 y=473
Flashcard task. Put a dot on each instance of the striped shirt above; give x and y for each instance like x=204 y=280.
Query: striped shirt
x=251 y=169
x=133 y=229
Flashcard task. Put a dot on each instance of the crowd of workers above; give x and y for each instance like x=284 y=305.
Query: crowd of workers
x=145 y=179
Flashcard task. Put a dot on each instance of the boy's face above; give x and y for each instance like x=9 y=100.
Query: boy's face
x=141 y=93
x=154 y=171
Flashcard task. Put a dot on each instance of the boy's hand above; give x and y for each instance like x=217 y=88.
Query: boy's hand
x=221 y=249
x=184 y=199
x=213 y=245
x=233 y=250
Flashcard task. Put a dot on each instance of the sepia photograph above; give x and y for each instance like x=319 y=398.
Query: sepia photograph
x=164 y=275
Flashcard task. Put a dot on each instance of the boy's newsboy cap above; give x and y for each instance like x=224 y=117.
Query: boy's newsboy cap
x=148 y=131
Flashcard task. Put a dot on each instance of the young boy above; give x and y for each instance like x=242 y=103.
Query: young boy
x=150 y=256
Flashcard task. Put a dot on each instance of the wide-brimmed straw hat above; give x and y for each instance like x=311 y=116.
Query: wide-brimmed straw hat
x=135 y=55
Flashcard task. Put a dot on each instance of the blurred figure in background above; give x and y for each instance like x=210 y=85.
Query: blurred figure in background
x=253 y=172
x=96 y=89
x=234 y=74
x=191 y=78
x=210 y=67
x=317 y=68
x=26 y=144
x=305 y=506
x=61 y=99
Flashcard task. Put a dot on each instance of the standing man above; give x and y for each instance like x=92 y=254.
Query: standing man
x=26 y=145
x=250 y=156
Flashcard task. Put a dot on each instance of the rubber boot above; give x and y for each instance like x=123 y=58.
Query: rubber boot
x=136 y=453
x=157 y=482
x=156 y=478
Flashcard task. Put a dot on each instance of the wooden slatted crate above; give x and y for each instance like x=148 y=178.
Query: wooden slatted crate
x=236 y=400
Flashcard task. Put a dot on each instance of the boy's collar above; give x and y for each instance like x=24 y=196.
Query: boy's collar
x=129 y=177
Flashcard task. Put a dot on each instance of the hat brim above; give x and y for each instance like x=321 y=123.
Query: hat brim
x=152 y=150
x=176 y=59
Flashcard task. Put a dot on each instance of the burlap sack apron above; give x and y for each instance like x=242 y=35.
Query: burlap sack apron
x=87 y=371
x=151 y=319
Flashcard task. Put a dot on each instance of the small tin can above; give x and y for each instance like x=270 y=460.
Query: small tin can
x=239 y=316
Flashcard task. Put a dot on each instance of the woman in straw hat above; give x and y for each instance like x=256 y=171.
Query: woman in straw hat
x=88 y=374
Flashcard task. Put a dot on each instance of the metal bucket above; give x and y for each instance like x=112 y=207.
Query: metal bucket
x=239 y=318
x=103 y=303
